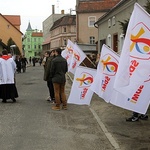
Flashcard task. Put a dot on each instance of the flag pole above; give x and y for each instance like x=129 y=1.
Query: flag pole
x=83 y=64
x=90 y=61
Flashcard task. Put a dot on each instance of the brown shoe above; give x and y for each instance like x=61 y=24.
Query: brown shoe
x=56 y=107
x=64 y=107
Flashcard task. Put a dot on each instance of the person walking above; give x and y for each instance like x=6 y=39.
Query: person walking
x=49 y=57
x=24 y=62
x=30 y=59
x=40 y=60
x=18 y=63
x=33 y=61
x=8 y=88
x=58 y=70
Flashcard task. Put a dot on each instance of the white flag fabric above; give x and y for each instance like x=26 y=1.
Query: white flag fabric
x=74 y=56
x=134 y=64
x=80 y=91
x=105 y=75
x=139 y=102
x=104 y=82
x=67 y=53
x=77 y=57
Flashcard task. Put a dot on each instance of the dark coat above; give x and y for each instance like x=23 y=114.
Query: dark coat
x=47 y=67
x=59 y=67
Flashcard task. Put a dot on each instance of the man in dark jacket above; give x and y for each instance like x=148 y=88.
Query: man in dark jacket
x=49 y=57
x=58 y=70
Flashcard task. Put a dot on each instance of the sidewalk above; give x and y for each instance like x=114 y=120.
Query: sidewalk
x=121 y=134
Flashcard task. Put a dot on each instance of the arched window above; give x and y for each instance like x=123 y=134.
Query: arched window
x=121 y=42
x=113 y=20
x=109 y=23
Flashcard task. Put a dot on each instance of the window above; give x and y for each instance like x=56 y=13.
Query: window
x=64 y=29
x=34 y=46
x=39 y=46
x=8 y=26
x=113 y=20
x=34 y=39
x=28 y=46
x=109 y=23
x=121 y=42
x=65 y=42
x=91 y=21
x=92 y=40
x=28 y=40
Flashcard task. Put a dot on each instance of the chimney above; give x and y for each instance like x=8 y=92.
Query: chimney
x=62 y=11
x=53 y=9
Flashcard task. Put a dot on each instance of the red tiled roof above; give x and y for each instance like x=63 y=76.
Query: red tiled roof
x=14 y=19
x=96 y=6
x=37 y=34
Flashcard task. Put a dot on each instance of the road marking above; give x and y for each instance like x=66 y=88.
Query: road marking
x=104 y=129
x=101 y=124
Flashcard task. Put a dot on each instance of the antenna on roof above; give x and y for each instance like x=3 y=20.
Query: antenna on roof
x=57 y=5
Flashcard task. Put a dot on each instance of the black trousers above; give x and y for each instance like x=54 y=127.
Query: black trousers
x=51 y=89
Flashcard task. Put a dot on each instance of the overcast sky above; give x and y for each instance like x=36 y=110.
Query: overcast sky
x=35 y=11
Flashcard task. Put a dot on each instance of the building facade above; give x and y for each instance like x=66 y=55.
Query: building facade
x=32 y=43
x=62 y=30
x=87 y=13
x=47 y=24
x=109 y=28
x=10 y=28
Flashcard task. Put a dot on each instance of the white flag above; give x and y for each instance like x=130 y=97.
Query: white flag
x=105 y=76
x=77 y=57
x=134 y=64
x=139 y=101
x=80 y=93
x=104 y=82
x=68 y=53
x=74 y=56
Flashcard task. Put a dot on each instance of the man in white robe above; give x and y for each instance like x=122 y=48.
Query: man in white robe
x=8 y=88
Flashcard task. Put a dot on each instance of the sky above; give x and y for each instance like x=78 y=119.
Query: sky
x=34 y=11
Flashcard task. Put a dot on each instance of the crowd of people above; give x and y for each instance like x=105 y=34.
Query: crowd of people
x=21 y=62
x=55 y=68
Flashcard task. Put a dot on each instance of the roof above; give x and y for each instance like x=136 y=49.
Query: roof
x=37 y=34
x=29 y=27
x=63 y=21
x=47 y=41
x=10 y=22
x=96 y=6
x=14 y=19
x=111 y=10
